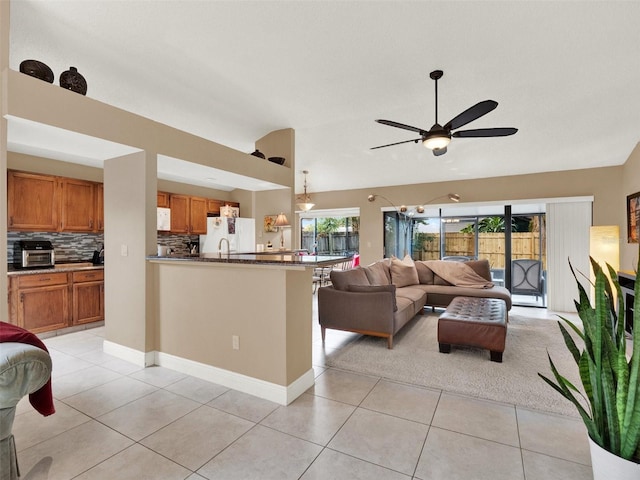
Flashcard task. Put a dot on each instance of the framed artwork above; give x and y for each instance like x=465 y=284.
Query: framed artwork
x=633 y=218
x=269 y=221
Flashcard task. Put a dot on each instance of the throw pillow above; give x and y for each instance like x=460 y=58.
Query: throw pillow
x=378 y=274
x=376 y=289
x=341 y=279
x=403 y=272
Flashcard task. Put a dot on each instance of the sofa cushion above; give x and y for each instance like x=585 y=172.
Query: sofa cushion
x=481 y=267
x=376 y=289
x=403 y=272
x=425 y=274
x=341 y=279
x=378 y=273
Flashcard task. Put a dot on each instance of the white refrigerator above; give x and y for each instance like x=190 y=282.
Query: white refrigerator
x=241 y=233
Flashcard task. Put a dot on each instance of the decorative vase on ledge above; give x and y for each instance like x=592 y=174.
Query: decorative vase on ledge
x=37 y=69
x=72 y=80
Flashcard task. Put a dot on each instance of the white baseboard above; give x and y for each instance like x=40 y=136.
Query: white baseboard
x=129 y=354
x=236 y=381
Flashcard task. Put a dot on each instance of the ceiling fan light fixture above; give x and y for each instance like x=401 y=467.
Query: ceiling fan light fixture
x=437 y=141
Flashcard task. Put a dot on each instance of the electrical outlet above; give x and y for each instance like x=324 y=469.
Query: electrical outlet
x=235 y=342
x=124 y=250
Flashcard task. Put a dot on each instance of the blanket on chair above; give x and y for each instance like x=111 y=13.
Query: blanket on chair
x=458 y=274
x=42 y=399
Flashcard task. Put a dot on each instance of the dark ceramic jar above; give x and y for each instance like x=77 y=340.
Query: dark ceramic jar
x=72 y=80
x=37 y=69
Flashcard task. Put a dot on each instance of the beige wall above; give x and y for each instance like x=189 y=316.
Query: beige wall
x=4 y=66
x=602 y=183
x=272 y=202
x=630 y=185
x=41 y=102
x=130 y=235
x=202 y=305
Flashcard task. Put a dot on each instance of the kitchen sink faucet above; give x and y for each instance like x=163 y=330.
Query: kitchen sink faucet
x=220 y=245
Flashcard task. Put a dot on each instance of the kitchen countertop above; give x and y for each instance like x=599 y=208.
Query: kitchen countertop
x=61 y=267
x=262 y=258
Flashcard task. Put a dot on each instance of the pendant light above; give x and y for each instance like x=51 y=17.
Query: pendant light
x=305 y=203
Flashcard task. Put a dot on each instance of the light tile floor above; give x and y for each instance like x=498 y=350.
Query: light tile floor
x=115 y=420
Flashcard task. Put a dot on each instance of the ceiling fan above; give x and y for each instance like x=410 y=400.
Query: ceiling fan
x=438 y=137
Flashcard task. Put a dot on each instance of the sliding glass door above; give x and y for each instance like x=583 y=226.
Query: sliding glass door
x=511 y=240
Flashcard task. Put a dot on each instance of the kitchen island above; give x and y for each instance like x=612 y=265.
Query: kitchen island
x=240 y=320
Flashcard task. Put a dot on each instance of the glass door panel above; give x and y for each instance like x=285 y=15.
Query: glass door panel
x=458 y=237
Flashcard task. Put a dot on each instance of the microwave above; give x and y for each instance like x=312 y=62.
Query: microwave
x=33 y=254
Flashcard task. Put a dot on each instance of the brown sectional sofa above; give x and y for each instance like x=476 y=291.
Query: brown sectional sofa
x=381 y=298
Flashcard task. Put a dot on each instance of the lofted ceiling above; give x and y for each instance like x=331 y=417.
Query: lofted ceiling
x=566 y=74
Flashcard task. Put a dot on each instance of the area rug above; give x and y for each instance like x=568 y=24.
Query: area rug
x=415 y=359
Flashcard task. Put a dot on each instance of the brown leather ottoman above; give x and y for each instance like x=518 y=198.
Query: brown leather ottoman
x=474 y=322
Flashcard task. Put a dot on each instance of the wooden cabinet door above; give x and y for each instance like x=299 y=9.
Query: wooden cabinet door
x=88 y=302
x=198 y=215
x=179 y=205
x=33 y=202
x=99 y=223
x=163 y=199
x=213 y=206
x=78 y=205
x=44 y=308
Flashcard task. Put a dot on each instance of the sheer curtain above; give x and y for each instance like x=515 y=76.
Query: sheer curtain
x=567 y=239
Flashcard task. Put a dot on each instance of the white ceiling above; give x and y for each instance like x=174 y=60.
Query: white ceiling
x=566 y=74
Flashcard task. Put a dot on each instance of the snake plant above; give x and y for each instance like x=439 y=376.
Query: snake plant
x=609 y=402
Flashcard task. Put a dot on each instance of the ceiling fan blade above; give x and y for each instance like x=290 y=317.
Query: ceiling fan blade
x=485 y=132
x=439 y=151
x=471 y=114
x=391 y=123
x=416 y=140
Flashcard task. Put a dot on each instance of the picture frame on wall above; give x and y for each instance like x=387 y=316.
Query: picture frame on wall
x=633 y=218
x=269 y=223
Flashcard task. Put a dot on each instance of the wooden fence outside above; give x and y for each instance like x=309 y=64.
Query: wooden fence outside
x=333 y=243
x=490 y=247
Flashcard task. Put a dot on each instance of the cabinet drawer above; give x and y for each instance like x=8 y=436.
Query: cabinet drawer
x=41 y=280
x=88 y=276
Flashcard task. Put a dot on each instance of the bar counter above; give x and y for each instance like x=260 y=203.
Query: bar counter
x=259 y=258
x=242 y=320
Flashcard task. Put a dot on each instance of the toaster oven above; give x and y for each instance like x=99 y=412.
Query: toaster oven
x=33 y=254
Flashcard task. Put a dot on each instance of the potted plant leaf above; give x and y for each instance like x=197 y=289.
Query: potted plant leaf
x=609 y=402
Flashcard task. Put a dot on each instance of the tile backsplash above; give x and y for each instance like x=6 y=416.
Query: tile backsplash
x=79 y=247
x=177 y=242
x=69 y=247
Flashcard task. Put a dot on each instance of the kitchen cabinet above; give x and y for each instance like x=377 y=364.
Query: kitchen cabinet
x=213 y=206
x=179 y=205
x=188 y=214
x=46 y=203
x=33 y=202
x=51 y=300
x=198 y=215
x=163 y=199
x=88 y=296
x=40 y=302
x=78 y=205
x=99 y=207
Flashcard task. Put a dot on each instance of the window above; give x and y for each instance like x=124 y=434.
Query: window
x=330 y=235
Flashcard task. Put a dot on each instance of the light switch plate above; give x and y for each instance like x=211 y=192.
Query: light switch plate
x=124 y=250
